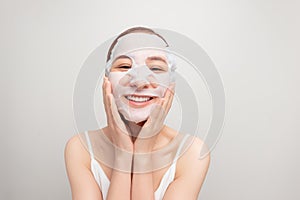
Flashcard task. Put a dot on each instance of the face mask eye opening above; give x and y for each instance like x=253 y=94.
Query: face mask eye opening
x=157 y=63
x=122 y=63
x=158 y=68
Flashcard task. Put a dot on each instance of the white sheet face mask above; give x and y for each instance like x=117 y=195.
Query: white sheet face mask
x=138 y=79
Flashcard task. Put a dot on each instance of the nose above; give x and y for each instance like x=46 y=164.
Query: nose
x=143 y=82
x=141 y=78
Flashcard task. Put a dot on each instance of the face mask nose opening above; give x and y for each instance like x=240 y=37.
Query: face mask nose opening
x=142 y=78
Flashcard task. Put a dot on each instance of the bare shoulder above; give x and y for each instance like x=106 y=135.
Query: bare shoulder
x=77 y=160
x=197 y=146
x=191 y=169
x=195 y=158
x=73 y=142
x=76 y=152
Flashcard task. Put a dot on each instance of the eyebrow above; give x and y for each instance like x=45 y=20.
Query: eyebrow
x=117 y=60
x=121 y=56
x=157 y=58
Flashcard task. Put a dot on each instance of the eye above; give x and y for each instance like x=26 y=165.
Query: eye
x=122 y=64
x=124 y=67
x=156 y=68
x=157 y=65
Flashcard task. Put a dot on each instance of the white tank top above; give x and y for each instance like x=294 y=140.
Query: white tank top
x=103 y=181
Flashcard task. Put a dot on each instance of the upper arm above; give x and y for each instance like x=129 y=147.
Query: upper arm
x=192 y=172
x=77 y=160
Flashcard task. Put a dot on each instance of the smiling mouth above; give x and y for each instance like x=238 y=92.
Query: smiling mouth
x=138 y=99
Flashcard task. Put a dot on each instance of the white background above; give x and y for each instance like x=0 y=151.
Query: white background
x=254 y=44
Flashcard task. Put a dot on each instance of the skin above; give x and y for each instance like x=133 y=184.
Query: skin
x=190 y=170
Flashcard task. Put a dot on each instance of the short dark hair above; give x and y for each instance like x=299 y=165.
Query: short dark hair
x=138 y=29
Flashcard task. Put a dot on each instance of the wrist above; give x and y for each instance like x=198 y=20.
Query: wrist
x=123 y=160
x=143 y=146
x=142 y=162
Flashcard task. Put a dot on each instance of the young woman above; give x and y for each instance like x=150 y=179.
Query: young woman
x=136 y=156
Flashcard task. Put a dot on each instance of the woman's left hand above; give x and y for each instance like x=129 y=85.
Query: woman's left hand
x=147 y=137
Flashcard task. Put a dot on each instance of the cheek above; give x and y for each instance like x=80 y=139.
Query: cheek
x=163 y=79
x=114 y=78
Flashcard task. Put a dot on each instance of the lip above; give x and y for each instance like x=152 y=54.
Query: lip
x=129 y=99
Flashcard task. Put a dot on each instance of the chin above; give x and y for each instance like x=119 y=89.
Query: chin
x=125 y=119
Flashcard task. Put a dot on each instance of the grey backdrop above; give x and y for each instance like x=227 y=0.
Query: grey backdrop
x=254 y=44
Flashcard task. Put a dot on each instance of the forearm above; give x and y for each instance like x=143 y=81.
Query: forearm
x=142 y=186
x=142 y=182
x=120 y=183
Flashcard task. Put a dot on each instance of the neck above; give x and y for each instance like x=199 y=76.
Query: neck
x=135 y=128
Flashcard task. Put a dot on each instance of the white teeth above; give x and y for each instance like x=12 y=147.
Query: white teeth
x=138 y=99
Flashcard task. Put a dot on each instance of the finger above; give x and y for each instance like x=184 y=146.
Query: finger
x=155 y=116
x=108 y=88
x=157 y=109
x=104 y=92
x=169 y=90
x=163 y=111
x=108 y=110
x=104 y=80
x=172 y=90
x=104 y=85
x=167 y=102
x=118 y=122
x=169 y=97
x=159 y=119
x=105 y=97
x=170 y=100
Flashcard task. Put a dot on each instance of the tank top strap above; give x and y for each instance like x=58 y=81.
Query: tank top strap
x=96 y=169
x=169 y=175
x=89 y=144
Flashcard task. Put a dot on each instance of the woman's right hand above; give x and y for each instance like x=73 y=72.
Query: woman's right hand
x=117 y=128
